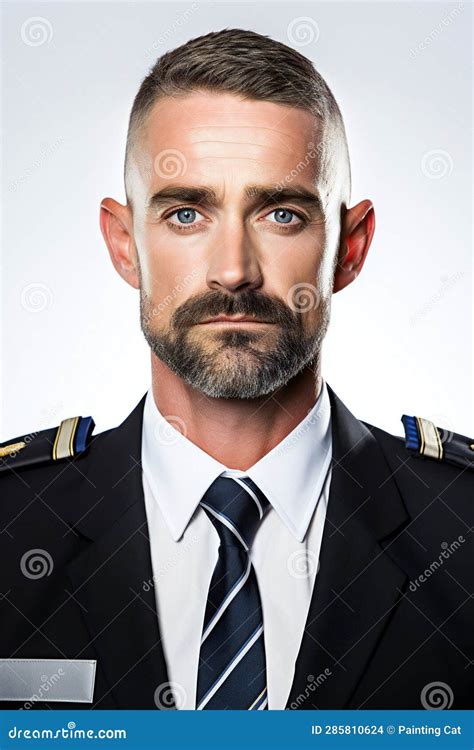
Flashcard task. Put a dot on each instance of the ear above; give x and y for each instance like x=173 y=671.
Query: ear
x=116 y=227
x=358 y=227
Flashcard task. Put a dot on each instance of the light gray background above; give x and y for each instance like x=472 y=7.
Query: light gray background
x=400 y=340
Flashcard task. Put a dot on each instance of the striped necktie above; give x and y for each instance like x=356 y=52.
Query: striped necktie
x=232 y=666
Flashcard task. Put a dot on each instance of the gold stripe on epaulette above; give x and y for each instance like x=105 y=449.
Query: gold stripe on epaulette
x=422 y=436
x=431 y=444
x=12 y=448
x=64 y=441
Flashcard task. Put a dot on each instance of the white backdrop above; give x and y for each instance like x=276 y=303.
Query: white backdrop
x=401 y=336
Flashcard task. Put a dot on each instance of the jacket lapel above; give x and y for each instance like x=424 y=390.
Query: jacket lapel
x=357 y=587
x=356 y=591
x=112 y=579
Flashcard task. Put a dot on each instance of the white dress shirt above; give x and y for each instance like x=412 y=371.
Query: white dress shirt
x=295 y=477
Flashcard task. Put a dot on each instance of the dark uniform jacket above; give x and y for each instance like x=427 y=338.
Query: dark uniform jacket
x=390 y=625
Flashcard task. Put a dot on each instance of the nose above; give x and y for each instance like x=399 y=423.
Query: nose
x=233 y=261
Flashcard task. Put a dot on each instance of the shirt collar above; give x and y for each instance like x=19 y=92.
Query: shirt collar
x=291 y=475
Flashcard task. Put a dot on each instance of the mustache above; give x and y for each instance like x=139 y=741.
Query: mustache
x=214 y=303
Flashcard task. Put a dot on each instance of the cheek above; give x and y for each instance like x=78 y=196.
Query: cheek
x=163 y=268
x=304 y=283
x=308 y=291
x=315 y=269
x=326 y=275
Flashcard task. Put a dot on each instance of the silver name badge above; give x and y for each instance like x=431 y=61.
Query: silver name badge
x=47 y=680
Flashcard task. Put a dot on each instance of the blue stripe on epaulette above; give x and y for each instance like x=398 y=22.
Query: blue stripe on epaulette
x=84 y=429
x=412 y=438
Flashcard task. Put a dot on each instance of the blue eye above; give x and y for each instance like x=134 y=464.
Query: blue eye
x=186 y=218
x=284 y=215
x=185 y=215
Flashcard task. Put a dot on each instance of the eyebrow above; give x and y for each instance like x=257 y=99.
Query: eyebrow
x=261 y=194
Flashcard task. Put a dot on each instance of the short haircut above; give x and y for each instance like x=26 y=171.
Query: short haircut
x=251 y=66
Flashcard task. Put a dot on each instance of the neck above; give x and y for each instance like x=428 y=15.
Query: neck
x=218 y=426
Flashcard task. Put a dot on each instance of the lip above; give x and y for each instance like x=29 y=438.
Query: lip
x=233 y=320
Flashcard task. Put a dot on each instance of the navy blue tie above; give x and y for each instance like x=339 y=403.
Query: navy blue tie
x=232 y=666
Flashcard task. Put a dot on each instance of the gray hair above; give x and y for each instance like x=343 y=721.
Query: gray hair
x=252 y=66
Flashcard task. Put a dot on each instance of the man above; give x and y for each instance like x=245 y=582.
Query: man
x=241 y=540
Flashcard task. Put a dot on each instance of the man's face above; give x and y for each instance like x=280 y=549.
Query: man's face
x=237 y=251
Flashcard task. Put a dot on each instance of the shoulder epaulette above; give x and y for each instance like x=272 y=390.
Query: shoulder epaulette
x=425 y=439
x=53 y=444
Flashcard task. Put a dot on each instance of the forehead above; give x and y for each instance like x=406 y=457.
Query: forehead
x=207 y=135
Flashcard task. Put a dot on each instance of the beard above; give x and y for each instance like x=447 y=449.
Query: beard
x=231 y=363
